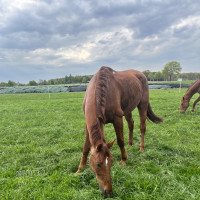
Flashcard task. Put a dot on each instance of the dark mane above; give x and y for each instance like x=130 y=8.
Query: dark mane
x=102 y=84
x=103 y=79
x=96 y=133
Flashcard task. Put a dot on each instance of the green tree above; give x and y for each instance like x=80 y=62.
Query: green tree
x=158 y=76
x=84 y=79
x=32 y=83
x=147 y=73
x=171 y=70
x=3 y=84
x=11 y=83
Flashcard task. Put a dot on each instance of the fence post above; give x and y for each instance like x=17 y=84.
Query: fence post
x=180 y=80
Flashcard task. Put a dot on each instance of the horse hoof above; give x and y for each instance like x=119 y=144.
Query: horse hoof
x=123 y=163
x=141 y=149
x=78 y=172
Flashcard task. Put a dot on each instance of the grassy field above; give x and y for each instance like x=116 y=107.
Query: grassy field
x=41 y=141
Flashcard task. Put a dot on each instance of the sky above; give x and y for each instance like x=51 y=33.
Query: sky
x=45 y=39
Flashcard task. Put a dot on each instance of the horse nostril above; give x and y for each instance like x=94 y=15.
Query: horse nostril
x=107 y=194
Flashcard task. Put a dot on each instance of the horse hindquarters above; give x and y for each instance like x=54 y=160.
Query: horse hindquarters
x=142 y=108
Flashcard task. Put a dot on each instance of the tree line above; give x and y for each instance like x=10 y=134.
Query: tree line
x=170 y=72
x=57 y=81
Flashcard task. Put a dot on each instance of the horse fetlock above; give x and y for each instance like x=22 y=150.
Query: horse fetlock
x=80 y=168
x=141 y=148
x=130 y=142
x=124 y=157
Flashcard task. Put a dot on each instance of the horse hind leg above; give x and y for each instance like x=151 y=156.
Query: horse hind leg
x=118 y=126
x=195 y=102
x=142 y=108
x=130 y=122
x=85 y=152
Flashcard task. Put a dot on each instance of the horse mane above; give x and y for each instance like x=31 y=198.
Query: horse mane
x=103 y=78
x=95 y=133
x=102 y=85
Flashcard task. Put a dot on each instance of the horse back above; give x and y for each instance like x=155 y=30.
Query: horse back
x=133 y=89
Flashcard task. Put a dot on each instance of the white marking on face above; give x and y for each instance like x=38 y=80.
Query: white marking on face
x=106 y=161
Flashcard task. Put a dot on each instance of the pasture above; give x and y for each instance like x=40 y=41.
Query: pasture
x=41 y=142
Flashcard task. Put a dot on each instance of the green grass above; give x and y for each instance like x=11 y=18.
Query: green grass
x=41 y=143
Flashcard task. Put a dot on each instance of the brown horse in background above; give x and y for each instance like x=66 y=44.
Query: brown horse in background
x=193 y=89
x=110 y=96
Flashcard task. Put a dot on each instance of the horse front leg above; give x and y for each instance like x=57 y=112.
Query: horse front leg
x=118 y=126
x=85 y=152
x=195 y=102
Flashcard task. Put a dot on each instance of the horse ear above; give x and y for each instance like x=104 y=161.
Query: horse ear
x=99 y=147
x=110 y=144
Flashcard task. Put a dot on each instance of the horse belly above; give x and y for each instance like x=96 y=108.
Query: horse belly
x=132 y=103
x=132 y=97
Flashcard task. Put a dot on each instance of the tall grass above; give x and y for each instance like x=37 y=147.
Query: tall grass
x=41 y=141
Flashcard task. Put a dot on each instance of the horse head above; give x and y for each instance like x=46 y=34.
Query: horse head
x=101 y=163
x=184 y=105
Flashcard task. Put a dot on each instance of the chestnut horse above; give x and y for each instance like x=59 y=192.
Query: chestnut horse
x=110 y=96
x=193 y=89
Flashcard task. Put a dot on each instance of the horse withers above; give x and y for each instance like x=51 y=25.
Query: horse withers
x=110 y=96
x=193 y=89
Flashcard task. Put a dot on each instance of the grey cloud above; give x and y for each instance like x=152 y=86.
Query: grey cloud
x=139 y=34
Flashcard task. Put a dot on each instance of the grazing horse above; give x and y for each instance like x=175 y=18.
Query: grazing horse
x=110 y=96
x=193 y=89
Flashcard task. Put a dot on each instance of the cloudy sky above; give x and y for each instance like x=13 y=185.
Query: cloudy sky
x=44 y=39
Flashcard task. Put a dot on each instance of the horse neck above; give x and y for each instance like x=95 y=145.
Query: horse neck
x=191 y=91
x=95 y=105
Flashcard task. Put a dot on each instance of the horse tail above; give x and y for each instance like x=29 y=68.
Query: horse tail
x=152 y=116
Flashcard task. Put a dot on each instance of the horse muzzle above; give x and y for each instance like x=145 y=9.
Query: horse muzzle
x=106 y=192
